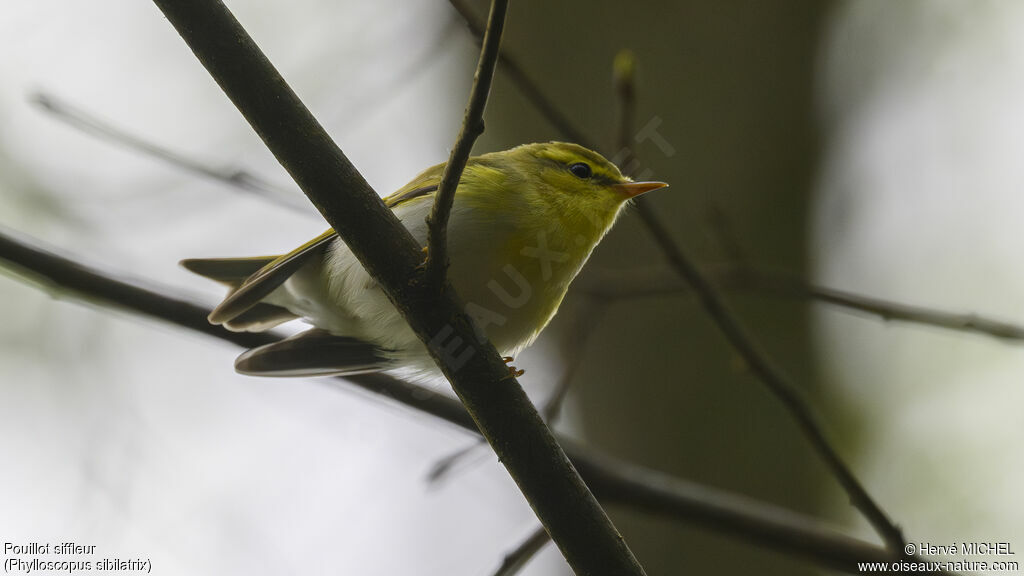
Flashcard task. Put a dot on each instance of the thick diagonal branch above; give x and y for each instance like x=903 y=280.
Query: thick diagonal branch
x=498 y=405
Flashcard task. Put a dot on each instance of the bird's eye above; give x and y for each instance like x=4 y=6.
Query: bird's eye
x=581 y=170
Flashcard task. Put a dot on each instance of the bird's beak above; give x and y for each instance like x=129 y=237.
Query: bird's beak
x=634 y=189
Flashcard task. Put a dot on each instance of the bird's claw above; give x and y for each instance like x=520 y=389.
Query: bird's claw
x=513 y=372
x=426 y=256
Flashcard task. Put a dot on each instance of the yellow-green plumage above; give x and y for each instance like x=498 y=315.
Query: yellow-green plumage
x=523 y=223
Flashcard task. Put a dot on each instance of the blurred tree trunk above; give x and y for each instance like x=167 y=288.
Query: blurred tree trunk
x=728 y=86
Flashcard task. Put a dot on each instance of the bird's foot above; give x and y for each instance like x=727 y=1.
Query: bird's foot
x=426 y=256
x=513 y=372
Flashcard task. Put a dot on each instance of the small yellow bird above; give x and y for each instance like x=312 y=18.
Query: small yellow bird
x=523 y=223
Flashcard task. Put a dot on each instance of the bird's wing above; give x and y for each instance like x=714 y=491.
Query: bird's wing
x=267 y=278
x=406 y=194
x=314 y=352
x=253 y=279
x=424 y=184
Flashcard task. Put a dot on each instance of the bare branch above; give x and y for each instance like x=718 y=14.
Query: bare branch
x=779 y=285
x=530 y=89
x=614 y=480
x=722 y=232
x=649 y=491
x=552 y=409
x=647 y=283
x=517 y=558
x=592 y=314
x=444 y=466
x=766 y=371
x=104 y=130
x=56 y=274
x=774 y=379
x=502 y=411
x=472 y=128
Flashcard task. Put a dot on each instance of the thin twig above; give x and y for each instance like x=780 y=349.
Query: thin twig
x=520 y=556
x=369 y=100
x=779 y=285
x=472 y=128
x=623 y=74
x=444 y=466
x=239 y=178
x=731 y=277
x=385 y=248
x=774 y=379
x=721 y=229
x=593 y=312
x=760 y=364
x=236 y=177
x=614 y=480
x=511 y=66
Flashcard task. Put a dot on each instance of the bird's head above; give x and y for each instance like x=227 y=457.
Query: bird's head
x=578 y=184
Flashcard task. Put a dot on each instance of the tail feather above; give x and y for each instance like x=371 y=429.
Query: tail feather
x=314 y=352
x=259 y=318
x=230 y=271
